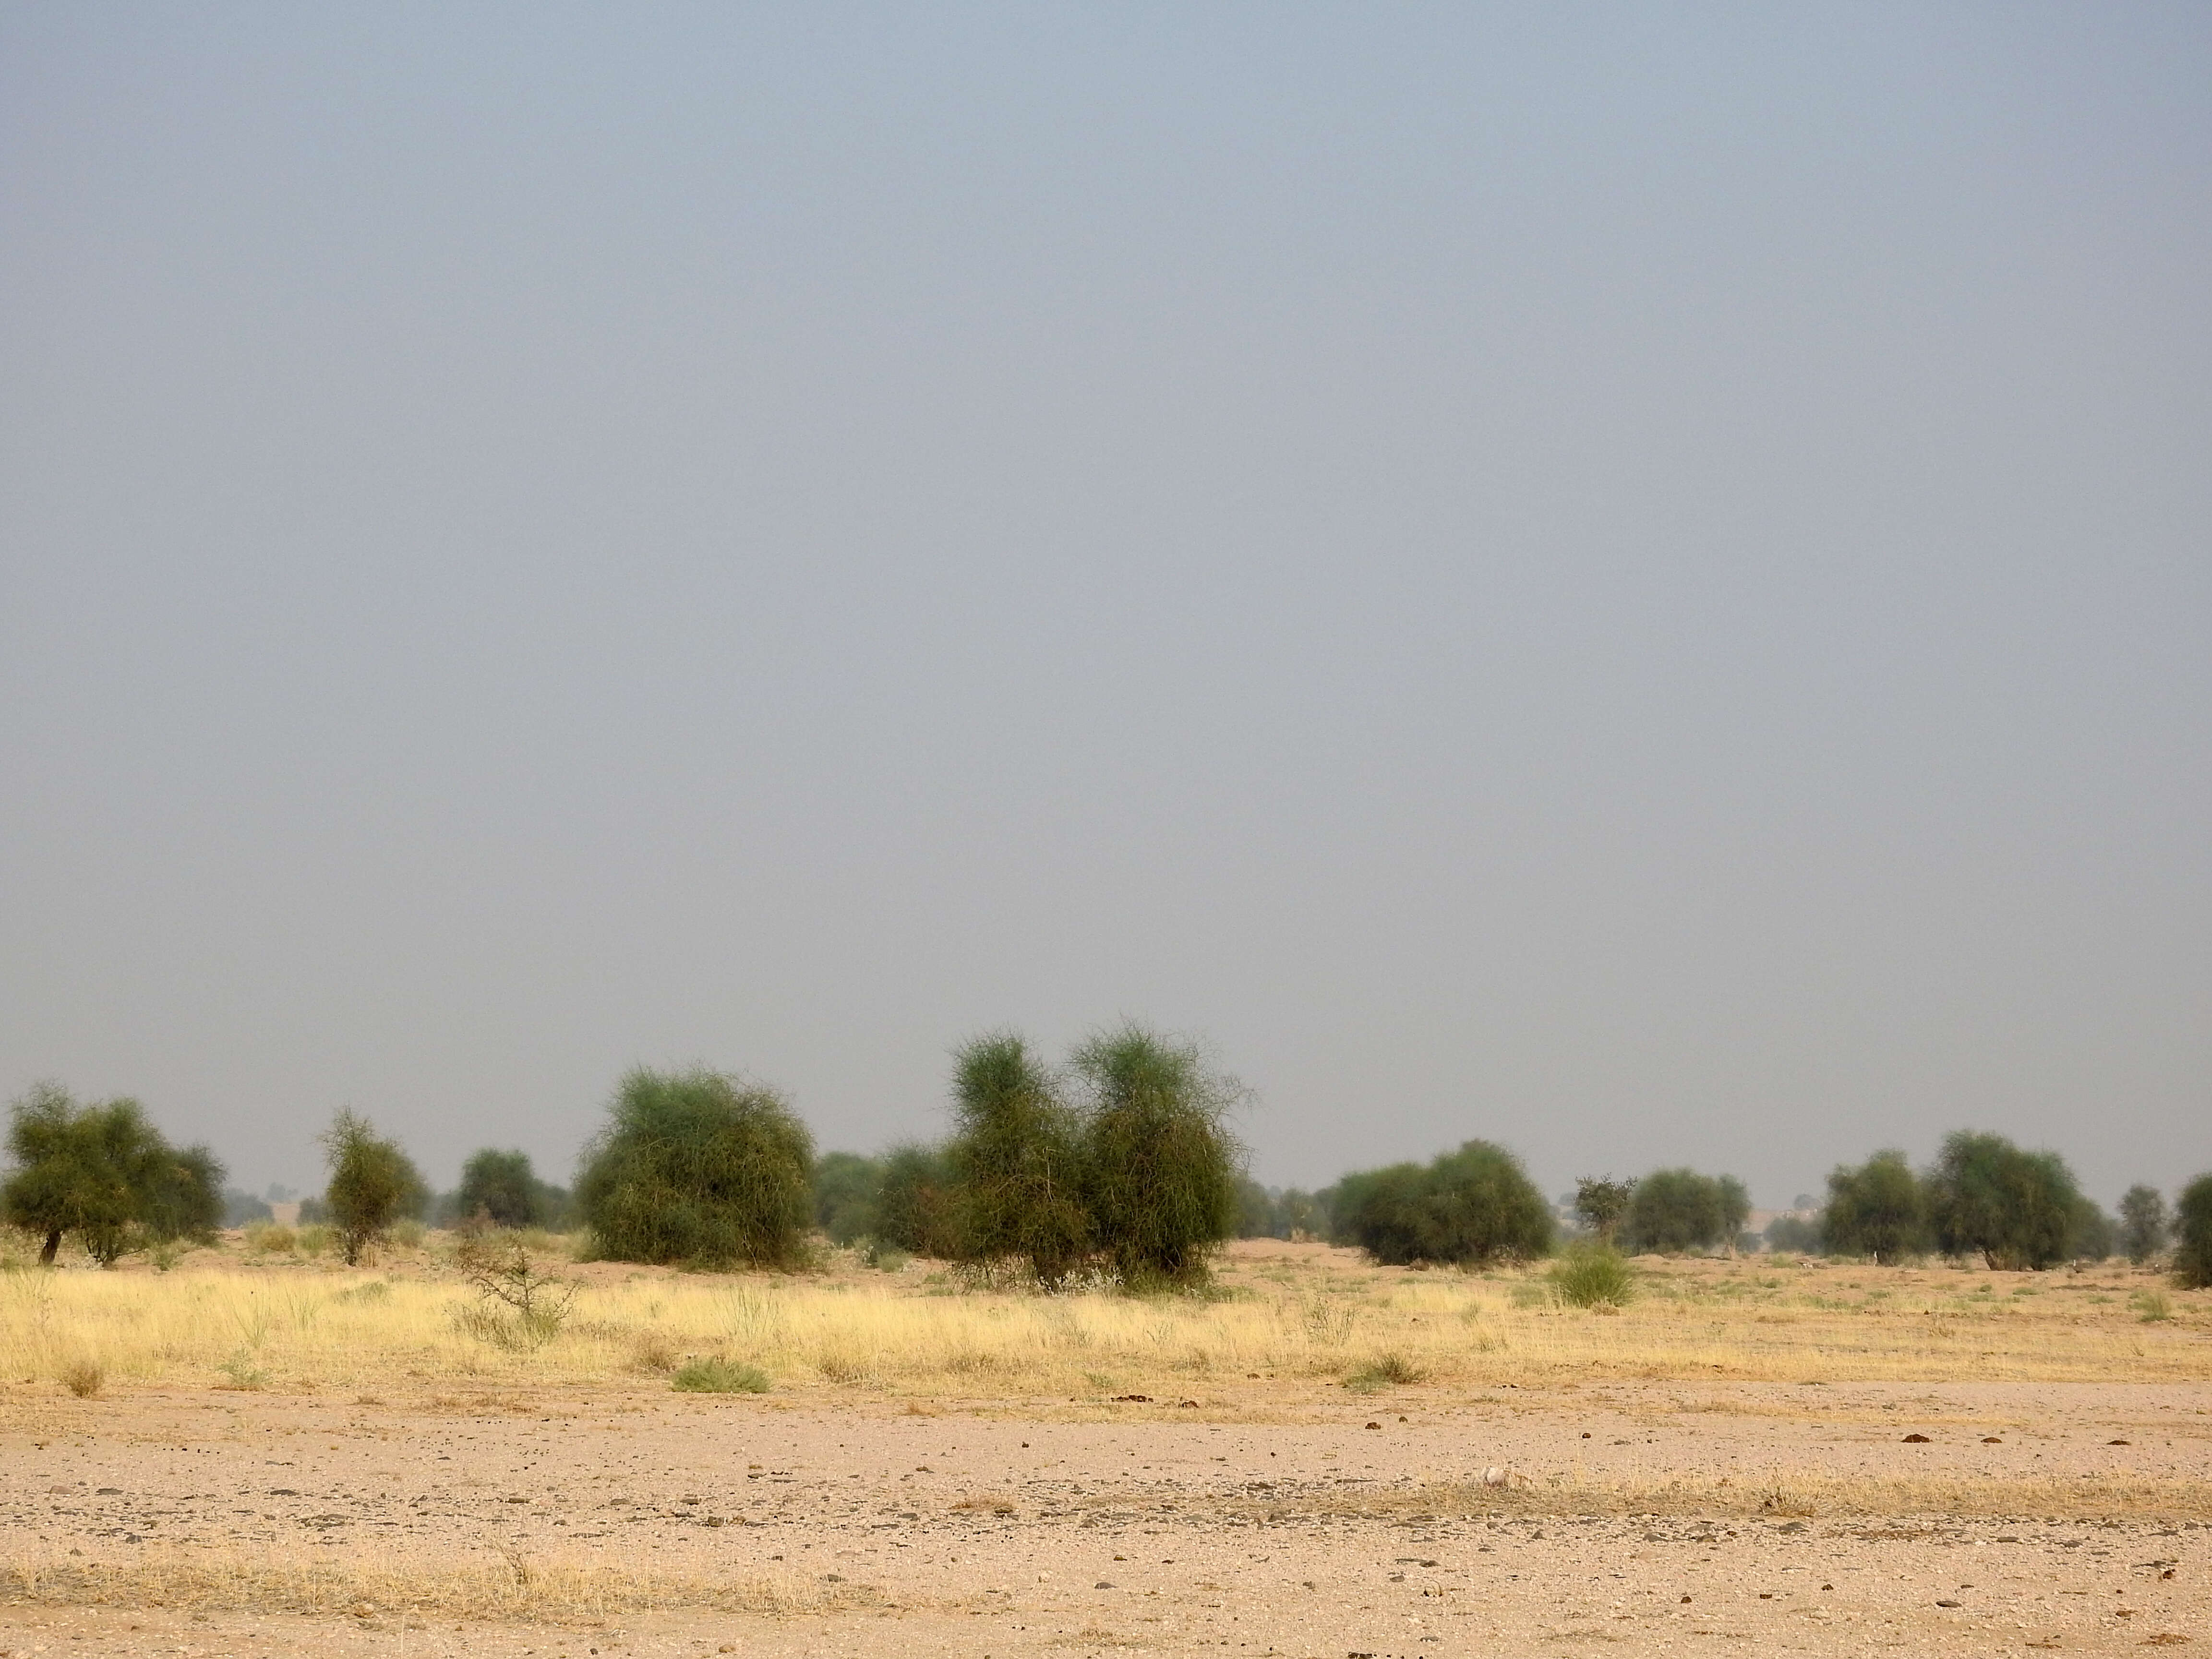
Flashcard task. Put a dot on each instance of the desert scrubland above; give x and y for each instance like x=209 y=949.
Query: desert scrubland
x=257 y=1451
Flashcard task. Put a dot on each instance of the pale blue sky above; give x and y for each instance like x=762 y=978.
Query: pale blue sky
x=1631 y=580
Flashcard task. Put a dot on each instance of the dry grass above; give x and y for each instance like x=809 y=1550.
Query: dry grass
x=1289 y=1315
x=510 y=1589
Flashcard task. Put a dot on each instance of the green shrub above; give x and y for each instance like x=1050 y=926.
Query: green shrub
x=1016 y=1158
x=719 y=1376
x=2144 y=1224
x=1877 y=1209
x=2192 y=1233
x=1470 y=1206
x=696 y=1168
x=2152 y=1307
x=270 y=1238
x=373 y=1184
x=1678 y=1210
x=1388 y=1370
x=1160 y=1165
x=2014 y=1209
x=917 y=1205
x=1593 y=1275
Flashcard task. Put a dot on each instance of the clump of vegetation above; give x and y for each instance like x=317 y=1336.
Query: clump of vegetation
x=1588 y=1275
x=1877 y=1209
x=917 y=1207
x=501 y=1189
x=1388 y=1370
x=1160 y=1165
x=717 y=1375
x=105 y=1174
x=1469 y=1208
x=83 y=1376
x=1016 y=1158
x=373 y=1185
x=697 y=1167
x=1798 y=1233
x=2192 y=1234
x=2152 y=1307
x=519 y=1304
x=845 y=1189
x=2144 y=1223
x=1676 y=1211
x=1602 y=1203
x=2016 y=1210
x=271 y=1238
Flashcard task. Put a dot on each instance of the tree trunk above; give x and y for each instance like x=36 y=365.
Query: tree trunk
x=53 y=1246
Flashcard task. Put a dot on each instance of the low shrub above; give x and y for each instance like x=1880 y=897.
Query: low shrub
x=1592 y=1276
x=717 y=1375
x=84 y=1378
x=271 y=1238
x=1388 y=1370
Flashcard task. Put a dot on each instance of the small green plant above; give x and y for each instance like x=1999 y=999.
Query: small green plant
x=408 y=1234
x=1387 y=1370
x=2152 y=1307
x=316 y=1238
x=83 y=1376
x=718 y=1376
x=1592 y=1276
x=239 y=1372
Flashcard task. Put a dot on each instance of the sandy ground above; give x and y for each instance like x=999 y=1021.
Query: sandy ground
x=1321 y=1524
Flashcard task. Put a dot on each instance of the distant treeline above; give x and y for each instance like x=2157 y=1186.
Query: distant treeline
x=1115 y=1166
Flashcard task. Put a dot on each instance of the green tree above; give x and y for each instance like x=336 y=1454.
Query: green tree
x=1602 y=1203
x=104 y=1173
x=697 y=1167
x=2090 y=1235
x=1876 y=1210
x=845 y=1189
x=2014 y=1209
x=1474 y=1206
x=1017 y=1159
x=1160 y=1162
x=917 y=1203
x=1796 y=1234
x=501 y=1188
x=1679 y=1210
x=2192 y=1234
x=2144 y=1223
x=373 y=1183
x=183 y=1197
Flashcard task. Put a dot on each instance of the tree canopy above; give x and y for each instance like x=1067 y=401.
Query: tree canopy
x=103 y=1172
x=2014 y=1209
x=699 y=1167
x=1472 y=1206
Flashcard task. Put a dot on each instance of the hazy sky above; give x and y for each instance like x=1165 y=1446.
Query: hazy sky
x=1635 y=581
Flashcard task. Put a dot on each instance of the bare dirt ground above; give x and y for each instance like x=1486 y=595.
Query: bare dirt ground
x=541 y=1508
x=976 y=1531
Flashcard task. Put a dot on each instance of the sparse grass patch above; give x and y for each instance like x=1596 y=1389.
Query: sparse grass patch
x=2152 y=1307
